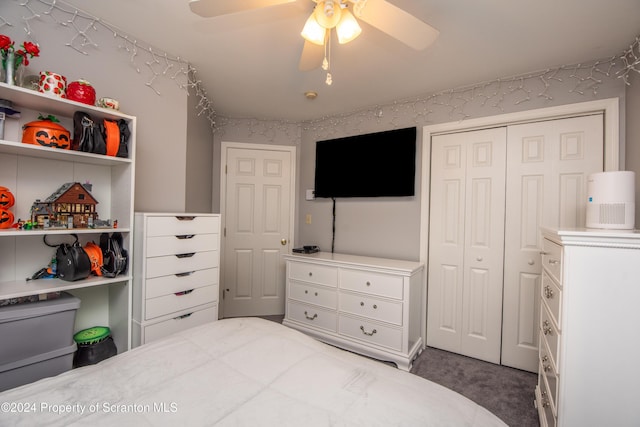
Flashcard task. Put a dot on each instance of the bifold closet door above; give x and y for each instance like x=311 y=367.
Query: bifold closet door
x=547 y=167
x=466 y=243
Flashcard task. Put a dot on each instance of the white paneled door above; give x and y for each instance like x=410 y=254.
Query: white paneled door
x=466 y=242
x=258 y=191
x=547 y=167
x=484 y=230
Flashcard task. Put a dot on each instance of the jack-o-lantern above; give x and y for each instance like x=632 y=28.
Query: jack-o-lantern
x=6 y=198
x=46 y=133
x=6 y=218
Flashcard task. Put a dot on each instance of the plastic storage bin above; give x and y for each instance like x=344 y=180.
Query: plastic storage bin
x=36 y=340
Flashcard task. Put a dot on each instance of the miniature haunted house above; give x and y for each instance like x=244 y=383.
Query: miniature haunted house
x=72 y=203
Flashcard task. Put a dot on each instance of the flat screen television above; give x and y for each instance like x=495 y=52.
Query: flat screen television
x=381 y=164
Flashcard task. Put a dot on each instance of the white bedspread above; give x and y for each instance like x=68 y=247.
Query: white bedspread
x=239 y=372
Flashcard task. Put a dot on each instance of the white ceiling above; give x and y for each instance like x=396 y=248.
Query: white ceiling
x=248 y=62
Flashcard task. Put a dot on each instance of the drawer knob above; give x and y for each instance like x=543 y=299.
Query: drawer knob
x=367 y=333
x=546 y=368
x=375 y=306
x=545 y=358
x=310 y=317
x=368 y=283
x=553 y=261
x=531 y=262
x=548 y=292
x=479 y=259
x=361 y=304
x=310 y=274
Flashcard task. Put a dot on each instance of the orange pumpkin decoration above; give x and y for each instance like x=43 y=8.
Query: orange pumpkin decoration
x=46 y=133
x=6 y=218
x=6 y=198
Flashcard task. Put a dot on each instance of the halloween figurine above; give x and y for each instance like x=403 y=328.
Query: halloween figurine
x=6 y=201
x=46 y=132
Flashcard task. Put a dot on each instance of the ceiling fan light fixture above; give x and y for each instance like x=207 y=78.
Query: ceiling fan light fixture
x=327 y=13
x=313 y=31
x=348 y=28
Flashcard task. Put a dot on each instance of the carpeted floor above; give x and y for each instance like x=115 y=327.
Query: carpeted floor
x=507 y=392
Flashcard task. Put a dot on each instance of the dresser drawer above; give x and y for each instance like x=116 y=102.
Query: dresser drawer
x=165 y=285
x=187 y=298
x=325 y=297
x=552 y=297
x=179 y=323
x=552 y=259
x=181 y=244
x=371 y=307
x=549 y=333
x=312 y=315
x=172 y=225
x=178 y=264
x=320 y=274
x=370 y=332
x=547 y=419
x=384 y=285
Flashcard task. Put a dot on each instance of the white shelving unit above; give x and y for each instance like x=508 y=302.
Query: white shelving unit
x=32 y=172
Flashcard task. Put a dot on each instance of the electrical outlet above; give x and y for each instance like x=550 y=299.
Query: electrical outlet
x=308 y=219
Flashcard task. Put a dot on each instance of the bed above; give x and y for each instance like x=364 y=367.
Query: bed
x=239 y=372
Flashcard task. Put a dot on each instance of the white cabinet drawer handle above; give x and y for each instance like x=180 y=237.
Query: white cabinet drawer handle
x=185 y=236
x=189 y=255
x=184 y=316
x=187 y=292
x=185 y=274
x=553 y=261
x=185 y=218
x=310 y=317
x=367 y=333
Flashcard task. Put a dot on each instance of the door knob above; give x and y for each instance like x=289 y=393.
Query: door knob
x=283 y=242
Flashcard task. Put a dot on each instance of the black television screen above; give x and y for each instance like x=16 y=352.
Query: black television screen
x=381 y=164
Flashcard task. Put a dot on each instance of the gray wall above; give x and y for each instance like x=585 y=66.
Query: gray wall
x=178 y=168
x=162 y=153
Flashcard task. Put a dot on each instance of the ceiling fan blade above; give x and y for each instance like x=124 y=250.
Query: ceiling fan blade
x=211 y=8
x=312 y=55
x=397 y=23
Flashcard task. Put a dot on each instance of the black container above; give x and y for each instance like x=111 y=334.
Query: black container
x=94 y=345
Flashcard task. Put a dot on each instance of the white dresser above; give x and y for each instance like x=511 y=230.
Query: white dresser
x=176 y=273
x=589 y=372
x=372 y=306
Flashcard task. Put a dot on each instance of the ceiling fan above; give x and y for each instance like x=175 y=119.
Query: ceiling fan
x=330 y=14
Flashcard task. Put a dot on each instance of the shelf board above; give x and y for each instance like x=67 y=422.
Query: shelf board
x=31 y=150
x=63 y=231
x=23 y=288
x=32 y=100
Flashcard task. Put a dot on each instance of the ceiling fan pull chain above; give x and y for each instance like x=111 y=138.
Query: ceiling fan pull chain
x=326 y=63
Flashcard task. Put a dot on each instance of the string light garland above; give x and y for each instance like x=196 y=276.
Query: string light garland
x=586 y=80
x=156 y=64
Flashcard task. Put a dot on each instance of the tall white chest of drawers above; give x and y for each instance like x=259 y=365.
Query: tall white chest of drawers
x=589 y=372
x=372 y=306
x=176 y=273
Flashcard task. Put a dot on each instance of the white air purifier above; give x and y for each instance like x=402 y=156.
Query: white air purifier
x=611 y=200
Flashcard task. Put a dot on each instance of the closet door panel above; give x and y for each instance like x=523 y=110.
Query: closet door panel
x=473 y=304
x=446 y=270
x=547 y=167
